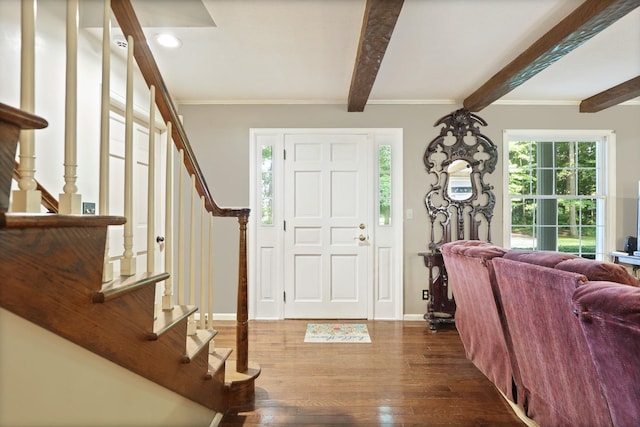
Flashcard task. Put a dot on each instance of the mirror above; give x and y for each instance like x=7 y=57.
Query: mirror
x=459 y=188
x=459 y=201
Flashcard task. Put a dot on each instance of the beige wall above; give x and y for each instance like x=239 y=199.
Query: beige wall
x=46 y=380
x=220 y=138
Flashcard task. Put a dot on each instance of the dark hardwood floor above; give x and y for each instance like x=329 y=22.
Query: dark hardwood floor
x=407 y=376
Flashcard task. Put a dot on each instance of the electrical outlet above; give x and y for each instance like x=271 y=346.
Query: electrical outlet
x=425 y=294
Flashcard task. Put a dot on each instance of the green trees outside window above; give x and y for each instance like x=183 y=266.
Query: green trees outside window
x=555 y=192
x=384 y=185
x=266 y=180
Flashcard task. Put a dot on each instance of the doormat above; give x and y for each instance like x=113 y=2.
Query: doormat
x=337 y=332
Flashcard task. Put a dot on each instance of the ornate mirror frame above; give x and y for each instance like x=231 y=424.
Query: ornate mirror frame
x=460 y=139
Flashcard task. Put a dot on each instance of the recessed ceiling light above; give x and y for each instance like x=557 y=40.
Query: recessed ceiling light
x=168 y=40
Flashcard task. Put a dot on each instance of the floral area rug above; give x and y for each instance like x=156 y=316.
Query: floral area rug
x=337 y=332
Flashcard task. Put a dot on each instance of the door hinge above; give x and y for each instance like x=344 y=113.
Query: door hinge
x=284 y=296
x=284 y=154
x=284 y=225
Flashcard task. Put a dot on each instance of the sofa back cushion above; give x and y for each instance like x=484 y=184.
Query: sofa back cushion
x=471 y=277
x=555 y=366
x=473 y=248
x=544 y=258
x=609 y=315
x=599 y=270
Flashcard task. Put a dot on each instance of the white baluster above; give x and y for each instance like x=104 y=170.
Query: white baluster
x=191 y=323
x=151 y=195
x=70 y=201
x=212 y=343
x=210 y=280
x=167 y=298
x=103 y=198
x=128 y=262
x=151 y=183
x=27 y=198
x=203 y=319
x=180 y=231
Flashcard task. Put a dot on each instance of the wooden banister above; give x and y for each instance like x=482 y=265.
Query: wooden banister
x=125 y=15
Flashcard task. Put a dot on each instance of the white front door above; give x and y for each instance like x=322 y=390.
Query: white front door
x=327 y=214
x=309 y=210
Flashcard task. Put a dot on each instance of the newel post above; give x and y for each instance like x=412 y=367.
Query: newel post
x=242 y=320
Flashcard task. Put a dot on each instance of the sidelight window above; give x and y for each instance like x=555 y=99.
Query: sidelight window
x=266 y=184
x=384 y=185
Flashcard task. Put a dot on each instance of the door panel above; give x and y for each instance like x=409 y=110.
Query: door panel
x=325 y=261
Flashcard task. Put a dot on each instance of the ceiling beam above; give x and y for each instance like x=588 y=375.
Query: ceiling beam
x=610 y=97
x=379 y=20
x=584 y=22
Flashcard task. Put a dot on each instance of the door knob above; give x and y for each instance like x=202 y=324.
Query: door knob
x=362 y=238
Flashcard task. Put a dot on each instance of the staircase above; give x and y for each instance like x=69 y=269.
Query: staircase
x=52 y=268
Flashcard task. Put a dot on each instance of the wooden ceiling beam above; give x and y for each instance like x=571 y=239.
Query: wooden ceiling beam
x=584 y=22
x=610 y=97
x=380 y=17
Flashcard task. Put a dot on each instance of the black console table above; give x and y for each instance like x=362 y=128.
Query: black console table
x=440 y=308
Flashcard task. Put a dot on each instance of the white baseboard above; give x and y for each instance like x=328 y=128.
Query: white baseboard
x=232 y=316
x=220 y=316
x=413 y=318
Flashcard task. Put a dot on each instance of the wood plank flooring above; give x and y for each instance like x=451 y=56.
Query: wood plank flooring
x=407 y=376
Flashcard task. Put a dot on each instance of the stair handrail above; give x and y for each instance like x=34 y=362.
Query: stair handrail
x=124 y=13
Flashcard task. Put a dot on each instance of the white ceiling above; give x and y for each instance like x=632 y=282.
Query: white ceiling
x=278 y=51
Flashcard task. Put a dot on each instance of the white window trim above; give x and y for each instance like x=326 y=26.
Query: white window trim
x=609 y=141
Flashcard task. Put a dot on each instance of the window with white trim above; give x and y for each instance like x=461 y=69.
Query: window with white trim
x=556 y=191
x=384 y=185
x=266 y=184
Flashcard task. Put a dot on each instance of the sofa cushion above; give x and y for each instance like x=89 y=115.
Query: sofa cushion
x=471 y=277
x=609 y=315
x=599 y=270
x=543 y=258
x=557 y=372
x=473 y=248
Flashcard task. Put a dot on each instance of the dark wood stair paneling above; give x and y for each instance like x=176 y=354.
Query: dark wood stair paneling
x=217 y=363
x=52 y=269
x=198 y=344
x=167 y=319
x=50 y=220
x=197 y=354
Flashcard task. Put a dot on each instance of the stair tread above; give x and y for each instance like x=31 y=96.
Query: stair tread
x=23 y=220
x=125 y=284
x=21 y=118
x=198 y=342
x=167 y=318
x=218 y=358
x=233 y=377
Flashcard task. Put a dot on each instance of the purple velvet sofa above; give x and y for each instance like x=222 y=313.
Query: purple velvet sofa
x=558 y=335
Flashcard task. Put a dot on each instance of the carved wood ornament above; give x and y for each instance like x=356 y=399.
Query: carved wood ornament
x=457 y=161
